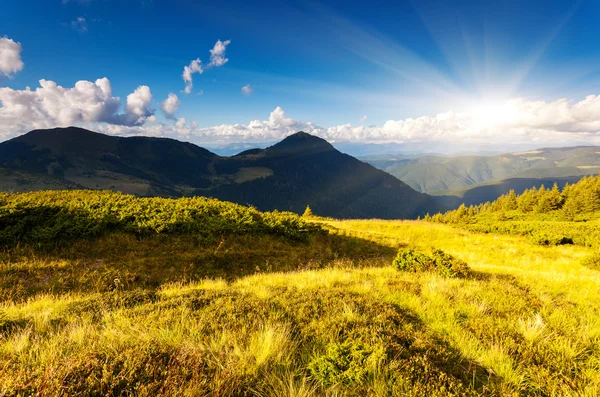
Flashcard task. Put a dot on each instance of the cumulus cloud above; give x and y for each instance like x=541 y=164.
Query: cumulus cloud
x=80 y=24
x=515 y=121
x=51 y=105
x=217 y=59
x=363 y=119
x=247 y=90
x=217 y=54
x=138 y=106
x=10 y=57
x=194 y=67
x=170 y=106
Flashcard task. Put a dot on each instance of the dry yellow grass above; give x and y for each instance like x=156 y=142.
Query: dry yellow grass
x=525 y=323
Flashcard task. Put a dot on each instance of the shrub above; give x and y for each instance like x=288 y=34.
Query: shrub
x=542 y=237
x=439 y=262
x=412 y=261
x=592 y=261
x=346 y=363
x=449 y=266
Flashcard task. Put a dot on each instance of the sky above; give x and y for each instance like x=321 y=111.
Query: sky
x=427 y=73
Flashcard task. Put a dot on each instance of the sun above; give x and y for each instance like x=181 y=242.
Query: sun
x=492 y=113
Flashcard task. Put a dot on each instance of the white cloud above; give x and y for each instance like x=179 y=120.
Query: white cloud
x=87 y=104
x=170 y=106
x=217 y=59
x=363 y=119
x=80 y=24
x=247 y=90
x=138 y=105
x=51 y=105
x=194 y=67
x=515 y=121
x=10 y=57
x=217 y=54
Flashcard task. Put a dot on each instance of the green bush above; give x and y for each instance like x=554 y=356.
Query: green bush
x=449 y=266
x=347 y=363
x=439 y=262
x=412 y=261
x=592 y=261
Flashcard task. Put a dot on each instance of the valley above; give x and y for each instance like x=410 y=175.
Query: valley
x=477 y=179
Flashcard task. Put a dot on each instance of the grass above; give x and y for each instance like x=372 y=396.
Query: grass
x=263 y=315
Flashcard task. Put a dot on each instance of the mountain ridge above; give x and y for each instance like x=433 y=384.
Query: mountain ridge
x=300 y=170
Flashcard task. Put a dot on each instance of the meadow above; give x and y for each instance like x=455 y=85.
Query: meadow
x=197 y=297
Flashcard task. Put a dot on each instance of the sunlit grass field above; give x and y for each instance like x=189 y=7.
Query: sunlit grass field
x=263 y=315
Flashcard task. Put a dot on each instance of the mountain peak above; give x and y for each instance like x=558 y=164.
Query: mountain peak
x=301 y=143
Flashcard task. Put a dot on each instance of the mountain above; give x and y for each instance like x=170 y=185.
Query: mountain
x=298 y=171
x=440 y=173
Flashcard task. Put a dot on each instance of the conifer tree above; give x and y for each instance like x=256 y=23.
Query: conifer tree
x=307 y=212
x=510 y=202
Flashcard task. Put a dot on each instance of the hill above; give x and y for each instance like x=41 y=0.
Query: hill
x=546 y=216
x=440 y=173
x=301 y=170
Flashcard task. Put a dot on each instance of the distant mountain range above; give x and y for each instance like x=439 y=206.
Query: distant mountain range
x=453 y=175
x=301 y=170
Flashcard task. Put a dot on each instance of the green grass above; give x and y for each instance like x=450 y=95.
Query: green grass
x=262 y=314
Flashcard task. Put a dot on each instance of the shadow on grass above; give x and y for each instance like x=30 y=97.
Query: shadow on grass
x=413 y=359
x=128 y=261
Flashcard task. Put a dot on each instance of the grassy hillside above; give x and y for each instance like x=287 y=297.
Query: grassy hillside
x=202 y=297
x=545 y=216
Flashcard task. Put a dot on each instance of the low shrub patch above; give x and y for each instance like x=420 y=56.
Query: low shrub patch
x=58 y=216
x=346 y=363
x=592 y=261
x=439 y=262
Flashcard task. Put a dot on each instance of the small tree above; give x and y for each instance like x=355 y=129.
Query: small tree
x=308 y=212
x=510 y=201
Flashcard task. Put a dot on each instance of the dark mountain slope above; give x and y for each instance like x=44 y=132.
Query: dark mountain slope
x=308 y=170
x=298 y=171
x=75 y=152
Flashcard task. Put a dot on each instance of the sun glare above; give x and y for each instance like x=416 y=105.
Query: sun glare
x=492 y=113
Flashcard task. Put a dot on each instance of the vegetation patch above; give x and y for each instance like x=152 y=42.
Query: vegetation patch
x=592 y=261
x=59 y=216
x=439 y=262
x=347 y=363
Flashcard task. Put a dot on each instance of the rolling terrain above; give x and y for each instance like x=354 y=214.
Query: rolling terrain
x=450 y=174
x=301 y=170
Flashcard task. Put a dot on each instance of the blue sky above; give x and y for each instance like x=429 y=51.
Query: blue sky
x=325 y=64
